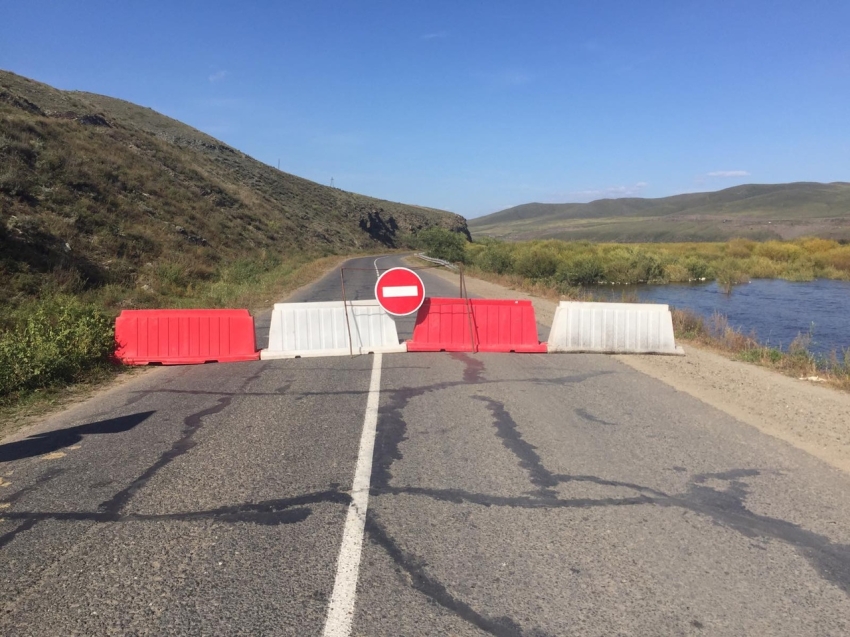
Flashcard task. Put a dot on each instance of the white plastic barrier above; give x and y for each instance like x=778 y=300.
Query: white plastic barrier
x=613 y=328
x=319 y=329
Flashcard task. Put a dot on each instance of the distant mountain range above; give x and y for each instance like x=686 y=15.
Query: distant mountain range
x=757 y=211
x=96 y=190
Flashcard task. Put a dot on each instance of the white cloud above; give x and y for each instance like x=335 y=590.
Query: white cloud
x=611 y=192
x=218 y=76
x=437 y=35
x=729 y=173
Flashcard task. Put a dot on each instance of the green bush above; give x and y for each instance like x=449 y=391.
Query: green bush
x=698 y=268
x=51 y=342
x=535 y=262
x=443 y=244
x=494 y=257
x=582 y=270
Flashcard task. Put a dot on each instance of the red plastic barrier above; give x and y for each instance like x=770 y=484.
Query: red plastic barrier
x=505 y=326
x=497 y=326
x=442 y=325
x=185 y=337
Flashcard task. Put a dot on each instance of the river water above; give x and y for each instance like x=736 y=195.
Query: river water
x=776 y=310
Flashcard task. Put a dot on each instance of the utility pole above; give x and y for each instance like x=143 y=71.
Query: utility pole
x=332 y=182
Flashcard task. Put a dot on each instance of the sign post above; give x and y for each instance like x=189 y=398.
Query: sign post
x=400 y=291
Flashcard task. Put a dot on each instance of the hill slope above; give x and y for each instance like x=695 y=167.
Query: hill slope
x=93 y=190
x=774 y=211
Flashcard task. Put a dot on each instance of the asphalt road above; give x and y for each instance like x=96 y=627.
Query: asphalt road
x=509 y=494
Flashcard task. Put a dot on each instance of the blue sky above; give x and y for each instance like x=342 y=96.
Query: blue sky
x=475 y=106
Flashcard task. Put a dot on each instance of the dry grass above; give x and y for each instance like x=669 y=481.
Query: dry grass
x=97 y=193
x=716 y=334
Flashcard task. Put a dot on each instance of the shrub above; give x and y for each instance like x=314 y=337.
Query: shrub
x=740 y=248
x=536 y=262
x=443 y=244
x=676 y=273
x=494 y=257
x=778 y=251
x=815 y=245
x=764 y=268
x=581 y=270
x=802 y=270
x=839 y=258
x=698 y=268
x=688 y=324
x=633 y=265
x=52 y=342
x=647 y=267
x=729 y=273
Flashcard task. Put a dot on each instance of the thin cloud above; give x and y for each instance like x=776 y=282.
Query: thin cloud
x=729 y=173
x=507 y=78
x=437 y=35
x=218 y=76
x=611 y=192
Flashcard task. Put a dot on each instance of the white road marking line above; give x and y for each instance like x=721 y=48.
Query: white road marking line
x=400 y=290
x=377 y=272
x=341 y=607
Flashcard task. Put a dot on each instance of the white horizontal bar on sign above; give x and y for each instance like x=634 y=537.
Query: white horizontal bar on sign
x=400 y=290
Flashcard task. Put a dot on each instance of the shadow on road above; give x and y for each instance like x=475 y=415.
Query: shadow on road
x=55 y=440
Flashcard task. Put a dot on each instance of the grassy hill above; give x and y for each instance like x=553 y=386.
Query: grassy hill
x=755 y=211
x=96 y=191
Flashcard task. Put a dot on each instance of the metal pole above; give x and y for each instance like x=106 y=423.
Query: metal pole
x=468 y=307
x=345 y=309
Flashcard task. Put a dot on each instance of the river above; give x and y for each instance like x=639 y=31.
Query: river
x=776 y=310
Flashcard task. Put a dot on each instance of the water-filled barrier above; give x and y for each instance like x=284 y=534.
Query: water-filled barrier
x=475 y=325
x=443 y=325
x=184 y=337
x=505 y=326
x=613 y=328
x=320 y=329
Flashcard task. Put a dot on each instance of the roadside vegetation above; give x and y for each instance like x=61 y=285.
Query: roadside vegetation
x=54 y=338
x=797 y=361
x=567 y=265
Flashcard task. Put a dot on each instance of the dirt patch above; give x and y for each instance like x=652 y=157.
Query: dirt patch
x=811 y=417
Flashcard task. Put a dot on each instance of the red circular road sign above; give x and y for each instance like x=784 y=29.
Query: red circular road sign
x=400 y=291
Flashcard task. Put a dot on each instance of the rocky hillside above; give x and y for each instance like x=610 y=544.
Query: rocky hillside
x=93 y=190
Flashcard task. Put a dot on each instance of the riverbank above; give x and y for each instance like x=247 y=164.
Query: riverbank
x=712 y=332
x=806 y=414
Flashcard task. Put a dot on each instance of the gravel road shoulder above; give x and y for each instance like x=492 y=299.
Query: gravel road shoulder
x=810 y=417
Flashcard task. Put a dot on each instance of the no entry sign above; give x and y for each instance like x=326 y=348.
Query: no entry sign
x=400 y=291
